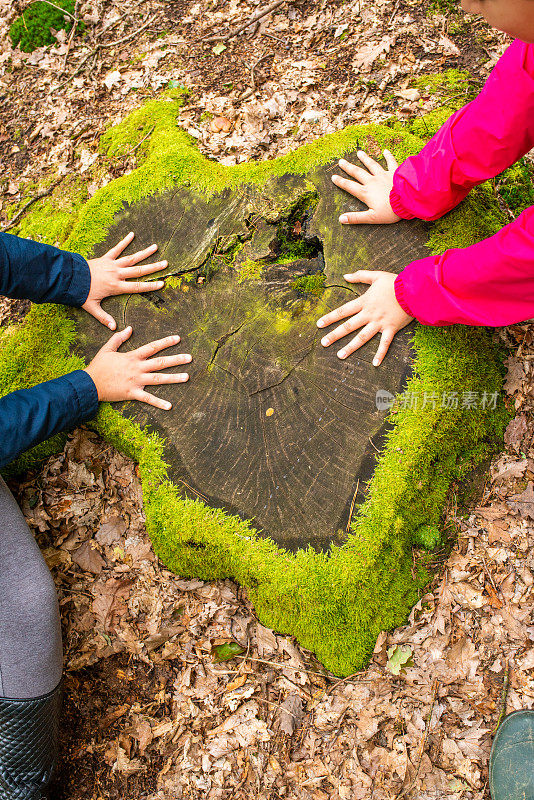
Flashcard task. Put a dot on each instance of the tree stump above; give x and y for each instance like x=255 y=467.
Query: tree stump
x=271 y=425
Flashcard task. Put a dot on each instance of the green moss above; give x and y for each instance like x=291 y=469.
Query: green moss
x=452 y=90
x=447 y=84
x=335 y=603
x=52 y=219
x=515 y=187
x=34 y=26
x=443 y=6
x=428 y=536
x=310 y=284
x=461 y=227
x=250 y=270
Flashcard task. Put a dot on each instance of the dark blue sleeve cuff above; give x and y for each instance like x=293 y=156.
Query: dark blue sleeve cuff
x=85 y=392
x=77 y=290
x=42 y=273
x=29 y=416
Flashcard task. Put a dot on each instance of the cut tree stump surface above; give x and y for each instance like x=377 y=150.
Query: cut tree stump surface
x=271 y=425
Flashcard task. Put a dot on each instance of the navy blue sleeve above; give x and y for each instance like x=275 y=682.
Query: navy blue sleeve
x=42 y=273
x=30 y=416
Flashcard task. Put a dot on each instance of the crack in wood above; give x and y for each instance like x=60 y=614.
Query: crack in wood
x=221 y=341
x=286 y=376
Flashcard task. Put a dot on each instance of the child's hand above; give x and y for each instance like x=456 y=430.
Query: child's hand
x=123 y=376
x=371 y=187
x=109 y=277
x=377 y=310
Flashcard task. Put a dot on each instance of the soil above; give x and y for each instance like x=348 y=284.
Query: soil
x=96 y=699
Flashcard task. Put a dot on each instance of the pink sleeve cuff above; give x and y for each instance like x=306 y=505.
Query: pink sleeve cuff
x=400 y=294
x=397 y=206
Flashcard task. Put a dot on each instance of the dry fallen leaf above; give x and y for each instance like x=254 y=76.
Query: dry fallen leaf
x=236 y=683
x=291 y=713
x=366 y=55
x=220 y=125
x=142 y=731
x=467 y=594
x=87 y=557
x=516 y=432
x=111 y=531
x=523 y=503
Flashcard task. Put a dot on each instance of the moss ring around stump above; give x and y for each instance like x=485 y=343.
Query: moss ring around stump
x=280 y=466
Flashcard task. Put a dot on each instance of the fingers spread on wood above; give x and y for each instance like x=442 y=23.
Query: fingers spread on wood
x=354 y=171
x=372 y=165
x=94 y=308
x=122 y=245
x=152 y=400
x=136 y=287
x=385 y=341
x=349 y=326
x=148 y=350
x=364 y=335
x=363 y=276
x=352 y=307
x=352 y=187
x=357 y=218
x=118 y=338
x=141 y=271
x=128 y=261
x=160 y=378
x=164 y=362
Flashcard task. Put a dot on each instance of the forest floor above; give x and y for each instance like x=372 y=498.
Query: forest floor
x=149 y=713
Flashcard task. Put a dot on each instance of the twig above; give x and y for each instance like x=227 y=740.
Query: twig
x=249 y=92
x=116 y=21
x=63 y=11
x=95 y=50
x=435 y=687
x=504 y=696
x=131 y=35
x=394 y=14
x=373 y=444
x=281 y=665
x=352 y=506
x=77 y=72
x=190 y=488
x=218 y=38
x=348 y=679
x=33 y=200
x=129 y=153
x=276 y=38
x=253 y=67
x=71 y=37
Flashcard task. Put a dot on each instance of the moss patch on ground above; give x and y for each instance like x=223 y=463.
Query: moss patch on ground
x=35 y=25
x=335 y=603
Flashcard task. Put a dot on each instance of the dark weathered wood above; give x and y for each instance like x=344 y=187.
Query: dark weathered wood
x=271 y=425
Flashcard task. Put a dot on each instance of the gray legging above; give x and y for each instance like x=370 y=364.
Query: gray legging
x=31 y=656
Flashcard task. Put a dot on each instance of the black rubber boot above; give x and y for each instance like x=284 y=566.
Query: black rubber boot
x=28 y=745
x=511 y=766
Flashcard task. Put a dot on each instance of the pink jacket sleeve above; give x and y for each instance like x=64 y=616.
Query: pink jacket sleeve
x=492 y=282
x=489 y=283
